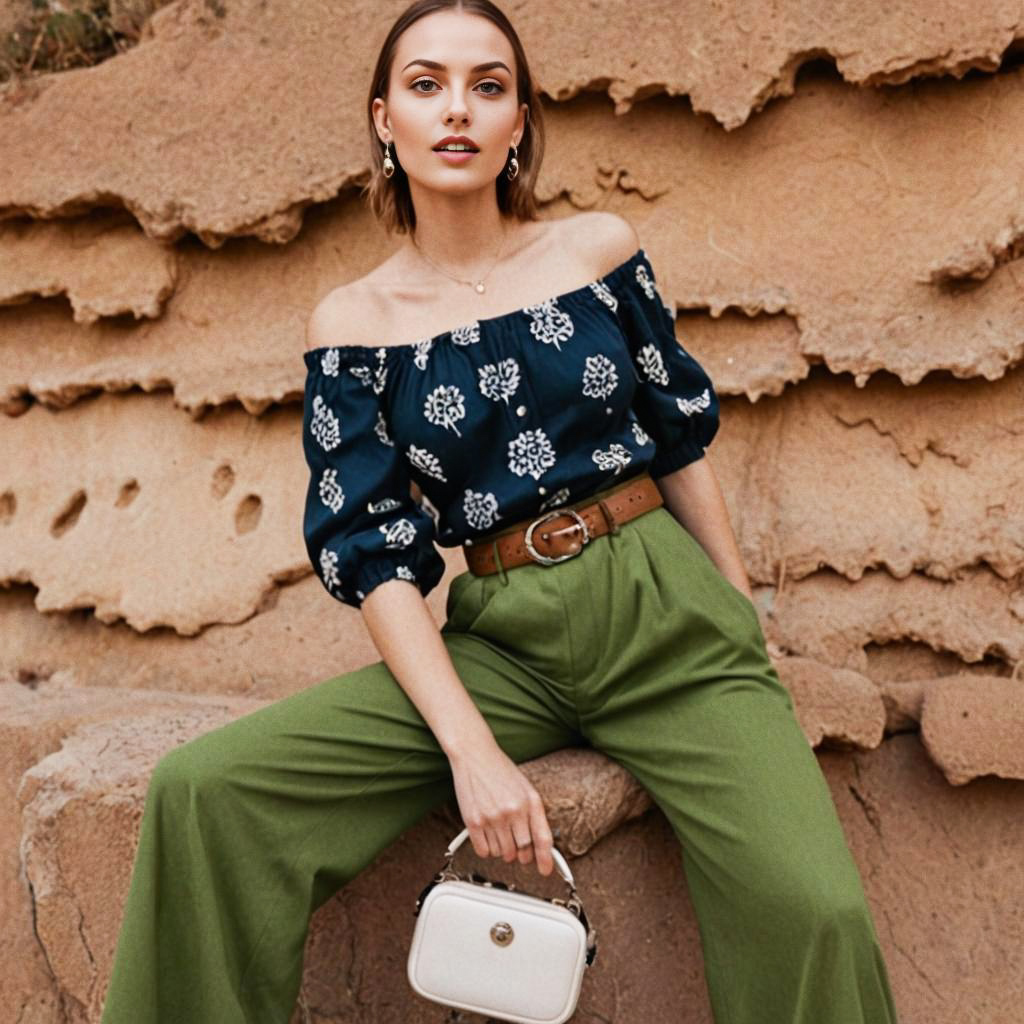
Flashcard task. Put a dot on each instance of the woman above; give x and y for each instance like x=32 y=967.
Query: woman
x=524 y=375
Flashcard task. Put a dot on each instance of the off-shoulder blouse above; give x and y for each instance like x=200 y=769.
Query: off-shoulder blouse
x=496 y=421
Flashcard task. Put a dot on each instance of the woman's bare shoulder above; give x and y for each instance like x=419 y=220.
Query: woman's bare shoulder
x=349 y=314
x=607 y=237
x=333 y=320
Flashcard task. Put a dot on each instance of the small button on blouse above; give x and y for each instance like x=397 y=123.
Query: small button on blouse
x=450 y=413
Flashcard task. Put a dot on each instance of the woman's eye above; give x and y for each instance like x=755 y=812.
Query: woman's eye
x=498 y=88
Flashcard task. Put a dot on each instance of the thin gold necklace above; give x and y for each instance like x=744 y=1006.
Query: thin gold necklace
x=479 y=283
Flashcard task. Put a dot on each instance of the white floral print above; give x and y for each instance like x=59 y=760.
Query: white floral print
x=692 y=405
x=468 y=335
x=405 y=573
x=400 y=534
x=604 y=293
x=329 y=568
x=616 y=457
x=376 y=377
x=531 y=452
x=331 y=493
x=422 y=352
x=599 y=376
x=499 y=381
x=651 y=291
x=384 y=505
x=561 y=495
x=425 y=462
x=549 y=323
x=329 y=362
x=444 y=406
x=380 y=428
x=324 y=425
x=644 y=280
x=653 y=365
x=639 y=434
x=480 y=509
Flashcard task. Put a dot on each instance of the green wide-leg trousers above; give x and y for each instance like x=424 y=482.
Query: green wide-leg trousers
x=638 y=647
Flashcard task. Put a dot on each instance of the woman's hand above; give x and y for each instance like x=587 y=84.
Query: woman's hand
x=500 y=807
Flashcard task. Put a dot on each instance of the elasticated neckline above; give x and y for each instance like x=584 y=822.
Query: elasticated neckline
x=312 y=356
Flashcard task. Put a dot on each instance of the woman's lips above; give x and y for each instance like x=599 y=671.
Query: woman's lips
x=453 y=156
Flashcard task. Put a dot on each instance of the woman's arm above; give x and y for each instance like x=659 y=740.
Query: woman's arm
x=499 y=805
x=405 y=634
x=693 y=495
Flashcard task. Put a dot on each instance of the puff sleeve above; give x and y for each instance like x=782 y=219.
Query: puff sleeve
x=675 y=400
x=361 y=525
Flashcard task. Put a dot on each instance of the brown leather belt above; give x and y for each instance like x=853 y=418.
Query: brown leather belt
x=562 y=532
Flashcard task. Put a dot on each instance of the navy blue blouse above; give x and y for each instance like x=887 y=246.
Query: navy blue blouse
x=496 y=421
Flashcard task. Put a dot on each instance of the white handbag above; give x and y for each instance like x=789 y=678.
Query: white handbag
x=480 y=946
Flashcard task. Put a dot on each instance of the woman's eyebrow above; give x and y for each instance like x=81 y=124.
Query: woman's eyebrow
x=442 y=67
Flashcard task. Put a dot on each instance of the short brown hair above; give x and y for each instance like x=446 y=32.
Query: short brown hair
x=389 y=198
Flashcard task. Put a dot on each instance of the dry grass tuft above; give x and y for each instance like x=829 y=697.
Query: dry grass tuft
x=55 y=35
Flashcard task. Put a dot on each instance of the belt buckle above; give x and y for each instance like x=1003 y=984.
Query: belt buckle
x=554 y=514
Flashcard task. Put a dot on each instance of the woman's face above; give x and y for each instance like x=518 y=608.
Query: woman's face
x=438 y=88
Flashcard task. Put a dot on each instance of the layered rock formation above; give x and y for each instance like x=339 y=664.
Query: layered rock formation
x=833 y=205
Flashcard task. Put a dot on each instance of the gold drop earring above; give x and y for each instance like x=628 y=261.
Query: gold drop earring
x=513 y=166
x=388 y=167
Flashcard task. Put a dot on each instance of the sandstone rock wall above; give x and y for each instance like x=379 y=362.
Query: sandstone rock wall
x=834 y=205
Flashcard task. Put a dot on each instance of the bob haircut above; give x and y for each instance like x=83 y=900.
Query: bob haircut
x=389 y=198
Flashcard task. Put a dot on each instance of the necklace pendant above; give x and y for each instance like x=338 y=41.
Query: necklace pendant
x=479 y=286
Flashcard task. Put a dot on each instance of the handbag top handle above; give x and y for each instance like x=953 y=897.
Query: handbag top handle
x=560 y=861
